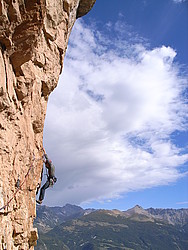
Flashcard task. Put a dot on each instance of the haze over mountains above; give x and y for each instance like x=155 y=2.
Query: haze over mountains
x=72 y=227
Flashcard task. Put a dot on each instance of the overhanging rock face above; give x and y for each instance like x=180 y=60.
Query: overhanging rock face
x=84 y=7
x=33 y=40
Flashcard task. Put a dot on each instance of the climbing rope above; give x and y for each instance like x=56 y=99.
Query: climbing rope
x=21 y=184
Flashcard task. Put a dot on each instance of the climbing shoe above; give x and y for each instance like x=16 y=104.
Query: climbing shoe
x=39 y=202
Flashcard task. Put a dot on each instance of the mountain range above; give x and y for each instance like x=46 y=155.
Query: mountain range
x=72 y=227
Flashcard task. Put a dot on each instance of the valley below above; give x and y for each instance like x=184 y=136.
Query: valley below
x=74 y=228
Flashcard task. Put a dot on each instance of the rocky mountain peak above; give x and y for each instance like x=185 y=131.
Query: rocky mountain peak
x=136 y=210
x=102 y=228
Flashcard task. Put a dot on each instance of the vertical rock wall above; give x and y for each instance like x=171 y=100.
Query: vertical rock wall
x=33 y=40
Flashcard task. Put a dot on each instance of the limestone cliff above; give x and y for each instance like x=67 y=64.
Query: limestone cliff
x=33 y=40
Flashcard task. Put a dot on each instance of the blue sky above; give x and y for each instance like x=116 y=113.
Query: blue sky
x=116 y=125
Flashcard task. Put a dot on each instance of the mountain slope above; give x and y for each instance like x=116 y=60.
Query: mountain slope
x=49 y=217
x=113 y=229
x=172 y=216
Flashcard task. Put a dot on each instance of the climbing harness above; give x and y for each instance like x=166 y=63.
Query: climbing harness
x=18 y=184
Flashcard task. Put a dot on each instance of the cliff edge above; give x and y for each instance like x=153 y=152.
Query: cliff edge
x=33 y=40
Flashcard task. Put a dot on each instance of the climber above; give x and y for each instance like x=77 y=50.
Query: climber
x=51 y=179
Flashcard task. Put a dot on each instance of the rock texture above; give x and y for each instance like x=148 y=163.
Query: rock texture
x=33 y=40
x=171 y=216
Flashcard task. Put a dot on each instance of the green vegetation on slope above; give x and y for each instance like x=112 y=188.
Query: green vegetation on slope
x=103 y=230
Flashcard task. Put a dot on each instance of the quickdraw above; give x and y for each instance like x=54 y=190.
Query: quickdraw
x=21 y=184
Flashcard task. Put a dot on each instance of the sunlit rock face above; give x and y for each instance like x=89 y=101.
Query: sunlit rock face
x=33 y=40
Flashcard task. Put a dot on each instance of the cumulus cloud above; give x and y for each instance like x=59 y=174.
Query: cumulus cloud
x=109 y=122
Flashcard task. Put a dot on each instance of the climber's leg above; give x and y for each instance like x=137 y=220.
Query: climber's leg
x=42 y=191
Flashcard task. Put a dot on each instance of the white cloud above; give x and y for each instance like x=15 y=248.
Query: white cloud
x=109 y=121
x=182 y=203
x=179 y=1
